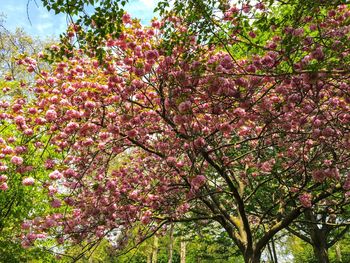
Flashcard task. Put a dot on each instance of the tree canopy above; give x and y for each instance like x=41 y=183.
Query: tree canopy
x=231 y=114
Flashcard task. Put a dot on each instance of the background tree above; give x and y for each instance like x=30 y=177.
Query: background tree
x=16 y=45
x=322 y=229
x=21 y=193
x=303 y=251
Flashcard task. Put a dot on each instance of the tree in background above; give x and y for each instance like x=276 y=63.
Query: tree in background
x=21 y=190
x=14 y=45
x=322 y=227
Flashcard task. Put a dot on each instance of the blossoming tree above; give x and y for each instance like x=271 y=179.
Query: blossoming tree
x=249 y=132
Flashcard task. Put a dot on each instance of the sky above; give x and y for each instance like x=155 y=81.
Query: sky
x=37 y=21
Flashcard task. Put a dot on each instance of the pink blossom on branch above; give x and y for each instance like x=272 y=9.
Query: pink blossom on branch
x=306 y=200
x=17 y=160
x=28 y=181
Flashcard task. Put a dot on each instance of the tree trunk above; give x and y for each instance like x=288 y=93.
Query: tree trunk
x=155 y=249
x=321 y=253
x=274 y=250
x=338 y=252
x=270 y=253
x=318 y=237
x=183 y=251
x=171 y=243
x=252 y=257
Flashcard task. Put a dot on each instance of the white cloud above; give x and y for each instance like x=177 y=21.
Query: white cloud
x=149 y=3
x=46 y=27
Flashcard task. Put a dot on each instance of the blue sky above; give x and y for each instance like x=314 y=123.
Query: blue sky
x=47 y=24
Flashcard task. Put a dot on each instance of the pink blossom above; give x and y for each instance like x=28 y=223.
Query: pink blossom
x=156 y=24
x=89 y=105
x=60 y=240
x=251 y=68
x=146 y=217
x=246 y=8
x=151 y=54
x=41 y=235
x=51 y=115
x=20 y=120
x=185 y=106
x=317 y=122
x=183 y=208
x=198 y=181
x=49 y=164
x=178 y=120
x=55 y=175
x=25 y=243
x=16 y=160
x=199 y=143
x=126 y=18
x=71 y=127
x=100 y=231
x=306 y=200
x=28 y=181
x=331 y=13
x=7 y=150
x=11 y=139
x=4 y=186
x=56 y=203
x=25 y=225
x=225 y=128
x=171 y=160
x=3 y=178
x=40 y=121
x=252 y=34
x=28 y=132
x=266 y=167
x=346 y=185
x=260 y=6
x=244 y=131
x=3 y=168
x=239 y=112
x=49 y=222
x=318 y=53
x=20 y=149
x=69 y=173
x=38 y=144
x=131 y=133
x=298 y=32
x=134 y=194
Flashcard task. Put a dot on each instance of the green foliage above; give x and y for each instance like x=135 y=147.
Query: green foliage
x=20 y=202
x=91 y=28
x=203 y=244
x=12 y=252
x=303 y=252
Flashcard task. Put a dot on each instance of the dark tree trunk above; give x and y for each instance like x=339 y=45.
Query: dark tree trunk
x=252 y=257
x=274 y=250
x=270 y=253
x=252 y=260
x=321 y=252
x=318 y=237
